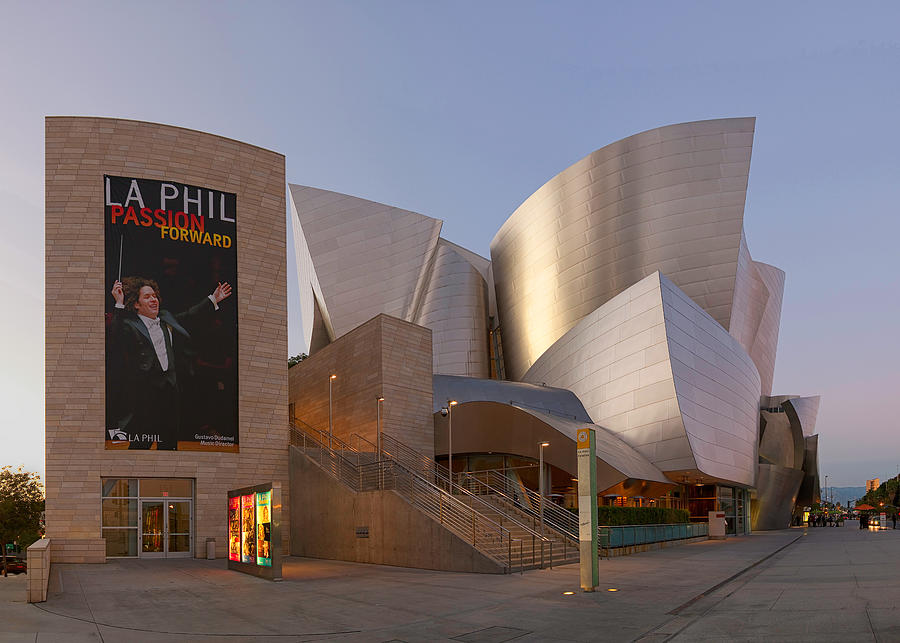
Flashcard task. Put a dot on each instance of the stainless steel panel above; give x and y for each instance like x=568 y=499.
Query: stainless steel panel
x=776 y=495
x=669 y=199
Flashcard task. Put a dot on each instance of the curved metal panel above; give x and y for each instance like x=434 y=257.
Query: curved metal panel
x=369 y=258
x=718 y=389
x=546 y=399
x=765 y=342
x=776 y=495
x=655 y=369
x=454 y=307
x=805 y=410
x=756 y=312
x=495 y=427
x=669 y=199
x=313 y=312
x=781 y=441
x=810 y=491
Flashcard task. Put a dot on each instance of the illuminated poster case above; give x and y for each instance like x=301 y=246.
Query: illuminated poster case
x=254 y=530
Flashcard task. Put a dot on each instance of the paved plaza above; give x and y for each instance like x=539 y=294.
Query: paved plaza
x=823 y=584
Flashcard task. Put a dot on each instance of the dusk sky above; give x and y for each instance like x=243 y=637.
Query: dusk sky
x=460 y=110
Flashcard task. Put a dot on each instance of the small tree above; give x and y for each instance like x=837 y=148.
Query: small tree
x=21 y=504
x=296 y=359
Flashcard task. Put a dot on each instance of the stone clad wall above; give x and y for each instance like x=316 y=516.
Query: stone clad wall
x=79 y=151
x=385 y=356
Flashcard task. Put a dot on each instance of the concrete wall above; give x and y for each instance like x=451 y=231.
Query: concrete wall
x=327 y=514
x=79 y=151
x=385 y=356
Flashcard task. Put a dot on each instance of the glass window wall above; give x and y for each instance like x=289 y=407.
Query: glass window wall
x=131 y=512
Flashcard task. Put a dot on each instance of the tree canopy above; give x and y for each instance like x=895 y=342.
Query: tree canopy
x=21 y=505
x=296 y=359
x=888 y=494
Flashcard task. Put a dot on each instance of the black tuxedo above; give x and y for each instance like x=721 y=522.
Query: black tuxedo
x=148 y=404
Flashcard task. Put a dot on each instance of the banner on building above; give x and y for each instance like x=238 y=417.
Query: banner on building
x=171 y=316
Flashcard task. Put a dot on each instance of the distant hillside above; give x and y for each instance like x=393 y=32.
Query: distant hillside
x=845 y=495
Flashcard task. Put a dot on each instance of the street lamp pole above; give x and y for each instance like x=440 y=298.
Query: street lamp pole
x=330 y=416
x=378 y=401
x=826 y=492
x=541 y=446
x=450 y=405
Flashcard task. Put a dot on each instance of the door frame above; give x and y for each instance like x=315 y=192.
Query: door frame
x=165 y=553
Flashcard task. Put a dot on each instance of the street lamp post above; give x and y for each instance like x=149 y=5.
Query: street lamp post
x=450 y=405
x=330 y=416
x=378 y=401
x=541 y=446
x=826 y=492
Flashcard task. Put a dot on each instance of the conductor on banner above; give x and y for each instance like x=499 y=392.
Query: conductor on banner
x=150 y=355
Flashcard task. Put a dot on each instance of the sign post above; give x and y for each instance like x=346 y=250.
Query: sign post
x=586 y=445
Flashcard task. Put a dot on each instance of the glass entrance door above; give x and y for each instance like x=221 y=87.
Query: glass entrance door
x=165 y=528
x=178 y=529
x=153 y=527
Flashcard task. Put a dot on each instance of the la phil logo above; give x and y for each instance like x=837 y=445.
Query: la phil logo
x=118 y=435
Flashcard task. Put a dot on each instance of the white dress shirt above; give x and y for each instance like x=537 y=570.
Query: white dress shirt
x=154 y=327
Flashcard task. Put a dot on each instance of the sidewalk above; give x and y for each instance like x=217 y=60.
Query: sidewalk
x=660 y=594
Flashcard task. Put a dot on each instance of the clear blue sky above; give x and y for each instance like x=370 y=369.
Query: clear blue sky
x=460 y=110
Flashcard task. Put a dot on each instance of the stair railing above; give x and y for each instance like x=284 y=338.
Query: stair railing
x=344 y=464
x=395 y=450
x=559 y=520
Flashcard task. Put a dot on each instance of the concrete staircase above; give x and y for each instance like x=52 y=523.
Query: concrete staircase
x=563 y=550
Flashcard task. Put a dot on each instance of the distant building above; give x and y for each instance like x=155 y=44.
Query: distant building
x=872 y=485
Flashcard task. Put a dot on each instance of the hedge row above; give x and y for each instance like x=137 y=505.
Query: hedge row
x=608 y=516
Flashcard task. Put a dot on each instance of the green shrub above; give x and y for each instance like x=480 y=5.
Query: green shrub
x=610 y=516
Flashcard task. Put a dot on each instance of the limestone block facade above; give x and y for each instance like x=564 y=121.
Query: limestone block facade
x=385 y=357
x=79 y=151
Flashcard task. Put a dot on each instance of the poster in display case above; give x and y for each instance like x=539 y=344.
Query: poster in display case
x=263 y=528
x=234 y=528
x=254 y=530
x=248 y=531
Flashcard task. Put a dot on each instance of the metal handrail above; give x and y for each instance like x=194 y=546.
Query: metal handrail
x=557 y=518
x=409 y=457
x=487 y=536
x=560 y=520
